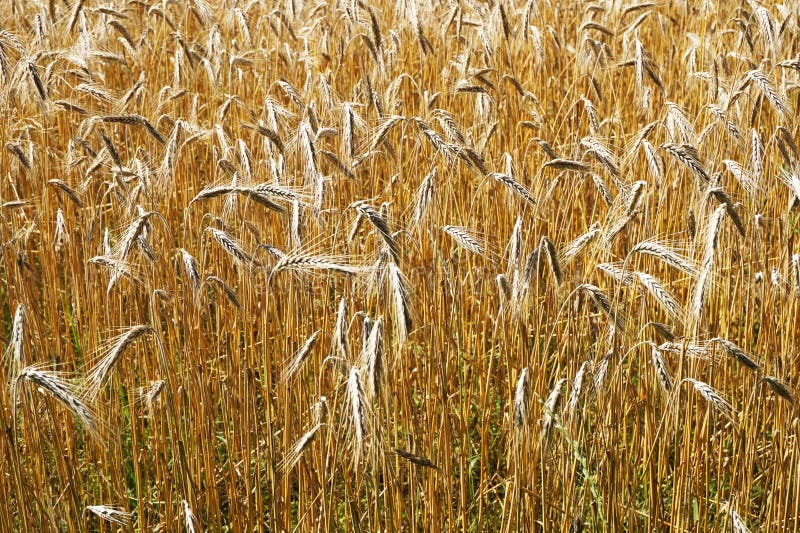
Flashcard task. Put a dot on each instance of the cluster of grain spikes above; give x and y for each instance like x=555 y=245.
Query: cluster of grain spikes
x=532 y=265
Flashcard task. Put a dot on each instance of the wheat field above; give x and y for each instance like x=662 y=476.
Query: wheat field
x=399 y=266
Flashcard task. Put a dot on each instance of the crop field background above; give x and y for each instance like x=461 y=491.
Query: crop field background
x=399 y=266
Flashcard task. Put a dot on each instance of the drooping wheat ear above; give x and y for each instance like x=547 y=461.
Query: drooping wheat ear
x=115 y=515
x=604 y=303
x=737 y=353
x=372 y=360
x=687 y=154
x=567 y=164
x=291 y=92
x=98 y=375
x=552 y=407
x=381 y=225
x=349 y=123
x=341 y=344
x=355 y=227
x=227 y=289
x=577 y=387
x=664 y=298
x=401 y=302
x=625 y=277
x=148 y=395
x=133 y=232
x=213 y=192
x=118 y=269
x=522 y=399
x=299 y=262
x=438 y=143
x=515 y=187
x=666 y=255
x=135 y=120
x=295 y=363
x=53 y=384
x=697 y=351
x=424 y=198
x=321 y=411
x=744 y=177
x=230 y=246
x=262 y=194
x=191 y=269
x=633 y=199
x=546 y=148
x=271 y=135
x=450 y=127
x=601 y=370
x=15 y=149
x=756 y=155
x=464 y=238
x=662 y=370
x=62 y=233
x=663 y=330
x=189 y=518
x=16 y=348
x=722 y=197
x=772 y=95
x=355 y=394
x=415 y=459
x=680 y=128
x=515 y=245
x=654 y=161
x=273 y=251
x=707 y=267
x=550 y=253
x=573 y=249
x=779 y=388
x=66 y=189
x=33 y=70
x=788 y=142
x=73 y=18
x=504 y=289
x=294 y=226
x=737 y=523
x=366 y=329
x=16 y=204
x=384 y=129
x=601 y=152
x=295 y=453
x=714 y=398
x=591 y=112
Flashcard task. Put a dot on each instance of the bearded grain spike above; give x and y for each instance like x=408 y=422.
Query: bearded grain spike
x=687 y=155
x=415 y=459
x=551 y=408
x=551 y=254
x=230 y=246
x=714 y=399
x=464 y=238
x=738 y=354
x=566 y=164
x=662 y=371
x=521 y=399
x=514 y=186
x=604 y=304
x=53 y=385
x=769 y=91
x=779 y=388
x=666 y=255
x=355 y=394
